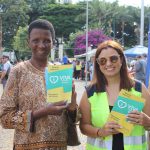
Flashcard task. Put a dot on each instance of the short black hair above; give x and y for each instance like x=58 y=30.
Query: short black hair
x=42 y=24
x=5 y=56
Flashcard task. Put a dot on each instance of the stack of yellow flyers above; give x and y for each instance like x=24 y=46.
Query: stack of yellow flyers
x=58 y=80
x=125 y=103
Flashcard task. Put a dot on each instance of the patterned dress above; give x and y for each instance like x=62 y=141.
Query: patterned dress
x=25 y=92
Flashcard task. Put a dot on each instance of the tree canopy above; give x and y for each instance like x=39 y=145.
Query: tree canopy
x=20 y=40
x=63 y=18
x=14 y=14
x=118 y=22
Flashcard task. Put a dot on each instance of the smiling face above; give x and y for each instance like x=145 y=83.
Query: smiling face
x=109 y=62
x=4 y=60
x=40 y=42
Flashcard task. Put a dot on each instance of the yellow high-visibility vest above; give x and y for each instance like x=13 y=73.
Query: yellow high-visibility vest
x=99 y=115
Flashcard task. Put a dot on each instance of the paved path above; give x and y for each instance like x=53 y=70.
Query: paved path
x=6 y=135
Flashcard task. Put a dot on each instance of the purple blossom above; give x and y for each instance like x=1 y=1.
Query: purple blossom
x=95 y=37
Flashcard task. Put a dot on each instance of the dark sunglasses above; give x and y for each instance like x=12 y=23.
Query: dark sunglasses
x=113 y=59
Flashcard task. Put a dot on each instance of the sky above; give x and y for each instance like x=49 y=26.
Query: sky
x=136 y=3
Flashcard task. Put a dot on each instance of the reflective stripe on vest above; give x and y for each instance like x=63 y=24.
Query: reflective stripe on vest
x=98 y=142
x=134 y=140
x=107 y=144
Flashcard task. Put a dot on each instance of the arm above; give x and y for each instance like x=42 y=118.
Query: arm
x=10 y=115
x=51 y=109
x=86 y=126
x=85 y=122
x=146 y=96
x=3 y=75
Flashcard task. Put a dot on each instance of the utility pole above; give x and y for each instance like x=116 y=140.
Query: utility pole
x=0 y=33
x=86 y=66
x=148 y=58
x=142 y=23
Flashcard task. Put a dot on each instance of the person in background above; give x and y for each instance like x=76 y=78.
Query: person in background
x=65 y=60
x=78 y=70
x=38 y=125
x=144 y=57
x=74 y=67
x=5 y=69
x=83 y=70
x=91 y=68
x=140 y=69
x=1 y=64
x=110 y=76
x=131 y=69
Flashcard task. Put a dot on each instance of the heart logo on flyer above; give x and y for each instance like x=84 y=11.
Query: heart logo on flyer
x=122 y=104
x=53 y=79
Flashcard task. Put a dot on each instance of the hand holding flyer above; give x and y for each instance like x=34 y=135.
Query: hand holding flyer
x=125 y=103
x=58 y=80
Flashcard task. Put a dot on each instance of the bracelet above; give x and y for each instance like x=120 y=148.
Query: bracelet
x=98 y=131
x=100 y=136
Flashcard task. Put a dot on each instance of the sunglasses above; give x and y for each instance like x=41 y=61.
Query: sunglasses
x=113 y=59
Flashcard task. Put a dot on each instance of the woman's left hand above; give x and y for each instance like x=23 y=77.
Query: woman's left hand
x=139 y=118
x=73 y=105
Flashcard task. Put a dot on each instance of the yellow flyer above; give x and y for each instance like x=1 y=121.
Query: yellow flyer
x=58 y=80
x=125 y=103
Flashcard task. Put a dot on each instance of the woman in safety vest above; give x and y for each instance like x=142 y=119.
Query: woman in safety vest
x=110 y=76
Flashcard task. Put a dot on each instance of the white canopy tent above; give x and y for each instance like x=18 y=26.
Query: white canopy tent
x=89 y=54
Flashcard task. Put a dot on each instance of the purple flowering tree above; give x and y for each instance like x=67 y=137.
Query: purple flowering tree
x=95 y=37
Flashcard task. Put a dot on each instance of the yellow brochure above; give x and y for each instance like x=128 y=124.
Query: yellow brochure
x=125 y=103
x=58 y=80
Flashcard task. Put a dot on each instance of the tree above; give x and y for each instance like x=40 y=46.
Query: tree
x=20 y=44
x=37 y=7
x=63 y=17
x=13 y=15
x=70 y=44
x=125 y=18
x=100 y=14
x=20 y=40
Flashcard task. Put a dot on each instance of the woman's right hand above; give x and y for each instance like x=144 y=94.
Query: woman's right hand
x=56 y=108
x=109 y=128
x=51 y=109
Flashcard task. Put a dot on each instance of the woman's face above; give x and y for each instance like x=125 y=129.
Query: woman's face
x=109 y=62
x=40 y=42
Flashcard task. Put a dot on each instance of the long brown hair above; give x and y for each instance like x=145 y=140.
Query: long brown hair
x=99 y=79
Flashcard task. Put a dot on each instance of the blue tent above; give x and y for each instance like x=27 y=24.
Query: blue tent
x=135 y=51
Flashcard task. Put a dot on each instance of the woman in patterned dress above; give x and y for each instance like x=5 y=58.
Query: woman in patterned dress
x=23 y=107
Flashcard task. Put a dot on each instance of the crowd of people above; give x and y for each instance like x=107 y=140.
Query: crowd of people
x=43 y=126
x=79 y=67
